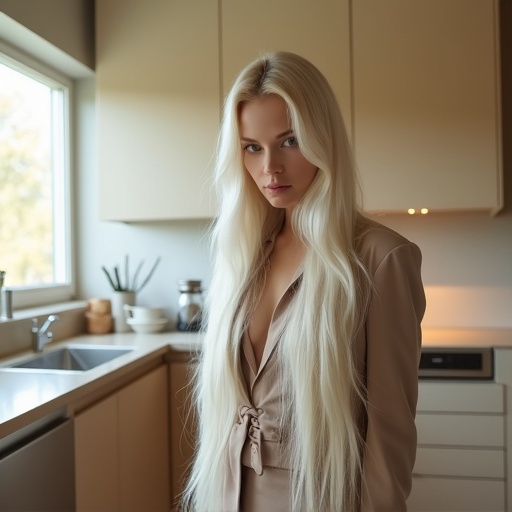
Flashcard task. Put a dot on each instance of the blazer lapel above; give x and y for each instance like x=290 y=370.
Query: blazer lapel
x=279 y=320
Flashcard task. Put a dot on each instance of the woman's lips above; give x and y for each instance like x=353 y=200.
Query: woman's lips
x=276 y=189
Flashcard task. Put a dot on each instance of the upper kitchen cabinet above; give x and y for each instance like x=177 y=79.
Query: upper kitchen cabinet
x=158 y=108
x=319 y=31
x=427 y=104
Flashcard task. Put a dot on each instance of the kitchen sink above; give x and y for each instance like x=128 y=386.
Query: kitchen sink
x=73 y=358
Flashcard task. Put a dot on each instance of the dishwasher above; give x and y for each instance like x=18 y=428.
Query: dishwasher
x=37 y=472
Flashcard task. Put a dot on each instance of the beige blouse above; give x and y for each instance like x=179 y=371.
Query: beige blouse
x=387 y=350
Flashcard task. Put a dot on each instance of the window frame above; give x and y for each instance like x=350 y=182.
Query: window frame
x=33 y=296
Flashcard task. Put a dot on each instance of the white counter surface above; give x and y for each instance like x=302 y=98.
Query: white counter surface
x=28 y=395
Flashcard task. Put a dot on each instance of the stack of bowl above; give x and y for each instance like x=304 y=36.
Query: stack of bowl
x=144 y=319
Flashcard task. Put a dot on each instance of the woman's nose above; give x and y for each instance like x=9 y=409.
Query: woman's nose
x=272 y=163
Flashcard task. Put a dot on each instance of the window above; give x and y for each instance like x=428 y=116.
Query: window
x=35 y=235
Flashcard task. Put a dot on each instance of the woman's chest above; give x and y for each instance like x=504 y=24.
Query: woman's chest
x=280 y=274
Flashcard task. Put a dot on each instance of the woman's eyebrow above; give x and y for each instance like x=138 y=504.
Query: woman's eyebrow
x=278 y=136
x=284 y=134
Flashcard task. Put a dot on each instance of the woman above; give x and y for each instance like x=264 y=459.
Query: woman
x=307 y=386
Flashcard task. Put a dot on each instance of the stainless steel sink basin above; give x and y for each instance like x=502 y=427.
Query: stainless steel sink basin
x=73 y=358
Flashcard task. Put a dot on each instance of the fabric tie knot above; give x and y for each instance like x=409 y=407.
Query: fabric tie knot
x=248 y=416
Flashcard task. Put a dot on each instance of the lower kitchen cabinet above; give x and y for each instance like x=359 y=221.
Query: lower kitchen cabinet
x=183 y=427
x=454 y=495
x=503 y=375
x=39 y=474
x=461 y=458
x=122 y=449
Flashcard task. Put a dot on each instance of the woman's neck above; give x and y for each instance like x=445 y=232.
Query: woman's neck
x=287 y=237
x=287 y=229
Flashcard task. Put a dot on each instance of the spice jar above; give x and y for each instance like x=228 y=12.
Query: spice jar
x=190 y=304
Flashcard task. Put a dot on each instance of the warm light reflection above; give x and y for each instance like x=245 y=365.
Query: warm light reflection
x=411 y=211
x=424 y=211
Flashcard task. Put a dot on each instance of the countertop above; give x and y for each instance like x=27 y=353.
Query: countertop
x=29 y=395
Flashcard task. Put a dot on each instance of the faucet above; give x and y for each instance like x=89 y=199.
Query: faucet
x=41 y=336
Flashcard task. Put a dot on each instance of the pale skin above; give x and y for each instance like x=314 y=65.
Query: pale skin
x=283 y=175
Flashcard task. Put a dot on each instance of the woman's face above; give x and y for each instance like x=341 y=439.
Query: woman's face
x=271 y=153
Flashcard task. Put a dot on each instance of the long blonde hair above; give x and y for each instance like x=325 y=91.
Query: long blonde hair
x=321 y=389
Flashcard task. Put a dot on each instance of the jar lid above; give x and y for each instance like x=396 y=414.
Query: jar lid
x=187 y=285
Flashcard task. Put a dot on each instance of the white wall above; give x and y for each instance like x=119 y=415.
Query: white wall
x=467 y=267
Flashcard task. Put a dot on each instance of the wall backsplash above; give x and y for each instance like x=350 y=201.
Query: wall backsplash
x=15 y=335
x=467 y=267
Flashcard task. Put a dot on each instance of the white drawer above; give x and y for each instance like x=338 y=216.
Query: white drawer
x=486 y=397
x=460 y=462
x=461 y=430
x=456 y=495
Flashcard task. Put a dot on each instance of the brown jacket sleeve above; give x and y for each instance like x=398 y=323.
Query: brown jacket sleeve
x=392 y=346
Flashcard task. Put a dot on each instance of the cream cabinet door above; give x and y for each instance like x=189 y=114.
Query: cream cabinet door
x=318 y=31
x=143 y=416
x=461 y=456
x=183 y=426
x=158 y=108
x=122 y=449
x=427 y=104
x=431 y=494
x=96 y=458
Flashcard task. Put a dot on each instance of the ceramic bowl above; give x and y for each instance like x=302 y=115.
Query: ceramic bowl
x=145 y=326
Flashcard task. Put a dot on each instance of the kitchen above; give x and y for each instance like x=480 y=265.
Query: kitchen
x=467 y=268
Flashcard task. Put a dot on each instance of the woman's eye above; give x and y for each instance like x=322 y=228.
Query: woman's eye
x=251 y=148
x=291 y=142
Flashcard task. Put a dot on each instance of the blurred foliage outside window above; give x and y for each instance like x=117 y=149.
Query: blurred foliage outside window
x=32 y=156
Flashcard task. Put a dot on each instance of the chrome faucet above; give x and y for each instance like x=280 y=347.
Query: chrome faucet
x=41 y=336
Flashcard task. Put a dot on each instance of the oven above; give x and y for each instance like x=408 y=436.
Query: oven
x=457 y=363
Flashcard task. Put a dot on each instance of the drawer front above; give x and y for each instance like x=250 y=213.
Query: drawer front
x=456 y=495
x=461 y=430
x=460 y=462
x=485 y=397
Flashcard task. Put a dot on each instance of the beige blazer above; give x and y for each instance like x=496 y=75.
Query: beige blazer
x=387 y=351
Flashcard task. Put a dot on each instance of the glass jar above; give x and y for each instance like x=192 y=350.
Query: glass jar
x=190 y=305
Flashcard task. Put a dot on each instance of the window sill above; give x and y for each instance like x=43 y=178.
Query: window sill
x=46 y=309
